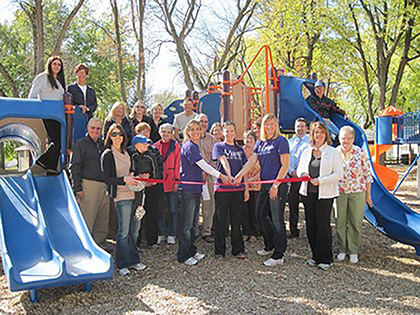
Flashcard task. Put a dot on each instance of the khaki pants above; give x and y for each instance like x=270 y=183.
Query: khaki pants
x=350 y=213
x=207 y=208
x=95 y=209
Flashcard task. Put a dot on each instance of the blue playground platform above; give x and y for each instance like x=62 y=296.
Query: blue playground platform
x=389 y=215
x=43 y=236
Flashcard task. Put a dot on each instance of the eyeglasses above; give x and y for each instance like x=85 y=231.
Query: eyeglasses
x=140 y=106
x=116 y=134
x=95 y=128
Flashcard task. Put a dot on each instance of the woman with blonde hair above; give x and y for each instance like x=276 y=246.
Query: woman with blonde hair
x=117 y=115
x=192 y=167
x=156 y=121
x=272 y=152
x=139 y=114
x=324 y=165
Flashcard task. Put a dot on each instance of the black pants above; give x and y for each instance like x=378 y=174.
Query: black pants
x=250 y=225
x=293 y=199
x=270 y=214
x=49 y=160
x=318 y=227
x=152 y=204
x=232 y=203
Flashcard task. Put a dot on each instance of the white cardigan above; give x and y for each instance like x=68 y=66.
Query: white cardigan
x=330 y=172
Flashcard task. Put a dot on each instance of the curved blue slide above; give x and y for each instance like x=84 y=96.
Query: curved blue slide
x=44 y=239
x=389 y=215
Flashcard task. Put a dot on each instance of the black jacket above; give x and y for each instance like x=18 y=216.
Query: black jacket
x=125 y=124
x=110 y=173
x=79 y=98
x=85 y=162
x=325 y=106
x=151 y=153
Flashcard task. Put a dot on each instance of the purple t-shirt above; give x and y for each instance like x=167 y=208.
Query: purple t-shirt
x=268 y=155
x=190 y=155
x=236 y=158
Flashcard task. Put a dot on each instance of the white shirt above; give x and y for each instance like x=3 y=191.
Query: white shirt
x=181 y=120
x=84 y=89
x=330 y=172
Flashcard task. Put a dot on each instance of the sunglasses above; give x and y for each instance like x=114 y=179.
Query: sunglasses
x=96 y=128
x=116 y=134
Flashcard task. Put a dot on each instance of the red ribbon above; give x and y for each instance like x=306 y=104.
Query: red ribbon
x=271 y=181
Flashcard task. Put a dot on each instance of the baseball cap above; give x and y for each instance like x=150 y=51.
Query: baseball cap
x=319 y=83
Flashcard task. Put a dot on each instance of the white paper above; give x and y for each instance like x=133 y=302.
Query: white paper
x=205 y=194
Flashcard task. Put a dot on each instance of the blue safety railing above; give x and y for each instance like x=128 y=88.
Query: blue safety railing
x=408 y=128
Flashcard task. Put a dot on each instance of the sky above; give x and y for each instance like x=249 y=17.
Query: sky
x=160 y=69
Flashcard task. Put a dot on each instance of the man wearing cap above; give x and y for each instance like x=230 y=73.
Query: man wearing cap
x=88 y=182
x=325 y=106
x=182 y=119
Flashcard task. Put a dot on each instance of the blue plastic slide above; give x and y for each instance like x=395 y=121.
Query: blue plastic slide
x=43 y=237
x=389 y=215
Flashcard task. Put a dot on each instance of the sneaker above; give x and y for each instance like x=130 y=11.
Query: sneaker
x=123 y=271
x=273 y=262
x=171 y=240
x=293 y=235
x=161 y=239
x=311 y=262
x=263 y=252
x=341 y=256
x=354 y=259
x=325 y=266
x=198 y=256
x=139 y=267
x=219 y=257
x=191 y=261
x=240 y=255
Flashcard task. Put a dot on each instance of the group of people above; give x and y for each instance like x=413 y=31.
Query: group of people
x=238 y=186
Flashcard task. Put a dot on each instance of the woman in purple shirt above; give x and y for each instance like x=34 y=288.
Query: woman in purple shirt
x=272 y=151
x=192 y=167
x=230 y=159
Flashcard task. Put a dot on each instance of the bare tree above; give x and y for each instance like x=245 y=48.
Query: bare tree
x=116 y=15
x=179 y=25
x=138 y=8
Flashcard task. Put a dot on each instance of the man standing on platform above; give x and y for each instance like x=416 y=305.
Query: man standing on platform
x=88 y=182
x=182 y=119
x=297 y=145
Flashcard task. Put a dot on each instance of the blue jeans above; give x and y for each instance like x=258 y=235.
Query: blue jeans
x=270 y=215
x=186 y=224
x=172 y=199
x=126 y=251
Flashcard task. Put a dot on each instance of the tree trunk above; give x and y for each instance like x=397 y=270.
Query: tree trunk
x=66 y=25
x=403 y=62
x=10 y=83
x=37 y=12
x=114 y=6
x=141 y=66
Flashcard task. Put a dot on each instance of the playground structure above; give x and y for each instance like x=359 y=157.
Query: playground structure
x=285 y=99
x=43 y=236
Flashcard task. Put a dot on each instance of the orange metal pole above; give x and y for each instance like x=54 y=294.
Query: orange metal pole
x=267 y=87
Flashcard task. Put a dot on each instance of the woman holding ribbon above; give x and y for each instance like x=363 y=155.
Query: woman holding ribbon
x=272 y=152
x=192 y=167
x=324 y=165
x=230 y=159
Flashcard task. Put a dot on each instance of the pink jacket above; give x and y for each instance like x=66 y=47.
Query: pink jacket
x=171 y=163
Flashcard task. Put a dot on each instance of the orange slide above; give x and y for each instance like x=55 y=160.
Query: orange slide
x=388 y=177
